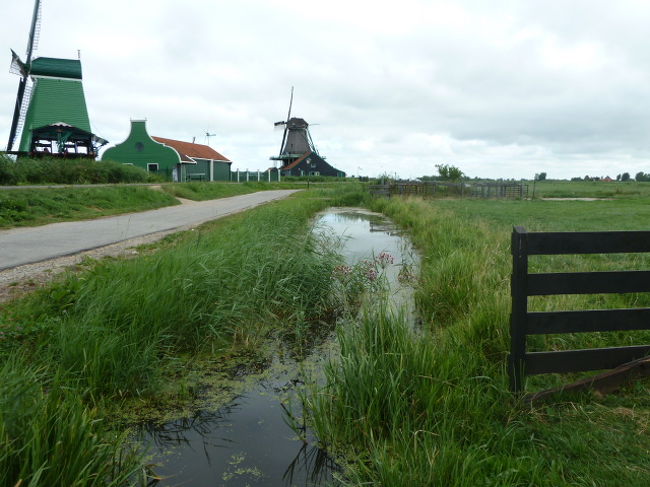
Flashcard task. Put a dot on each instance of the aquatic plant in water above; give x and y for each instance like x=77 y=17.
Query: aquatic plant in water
x=352 y=283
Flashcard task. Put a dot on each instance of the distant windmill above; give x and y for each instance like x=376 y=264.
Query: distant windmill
x=298 y=155
x=296 y=139
x=50 y=111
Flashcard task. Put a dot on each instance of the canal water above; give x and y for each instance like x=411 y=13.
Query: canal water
x=259 y=438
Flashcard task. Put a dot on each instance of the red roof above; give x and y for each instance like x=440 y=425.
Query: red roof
x=189 y=150
x=296 y=162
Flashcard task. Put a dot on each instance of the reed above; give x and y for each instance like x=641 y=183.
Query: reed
x=49 y=437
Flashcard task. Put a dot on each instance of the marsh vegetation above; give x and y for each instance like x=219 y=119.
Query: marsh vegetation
x=401 y=406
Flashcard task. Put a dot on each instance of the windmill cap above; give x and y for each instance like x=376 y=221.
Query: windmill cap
x=297 y=123
x=55 y=67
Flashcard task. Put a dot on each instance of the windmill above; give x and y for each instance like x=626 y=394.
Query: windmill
x=296 y=139
x=50 y=113
x=298 y=154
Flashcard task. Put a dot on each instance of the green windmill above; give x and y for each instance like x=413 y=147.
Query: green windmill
x=50 y=113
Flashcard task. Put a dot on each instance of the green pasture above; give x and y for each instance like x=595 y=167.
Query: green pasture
x=28 y=207
x=432 y=407
x=424 y=404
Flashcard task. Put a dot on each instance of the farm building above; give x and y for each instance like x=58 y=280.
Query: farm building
x=175 y=159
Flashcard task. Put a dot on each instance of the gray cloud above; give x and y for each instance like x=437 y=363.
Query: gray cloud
x=502 y=89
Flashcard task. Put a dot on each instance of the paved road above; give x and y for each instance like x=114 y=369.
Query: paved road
x=20 y=246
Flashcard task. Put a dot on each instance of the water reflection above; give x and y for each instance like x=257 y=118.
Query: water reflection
x=258 y=439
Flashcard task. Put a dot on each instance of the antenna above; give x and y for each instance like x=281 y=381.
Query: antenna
x=208 y=135
x=24 y=69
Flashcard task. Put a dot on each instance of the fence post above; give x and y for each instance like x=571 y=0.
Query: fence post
x=519 y=292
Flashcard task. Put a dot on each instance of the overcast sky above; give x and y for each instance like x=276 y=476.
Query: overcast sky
x=498 y=88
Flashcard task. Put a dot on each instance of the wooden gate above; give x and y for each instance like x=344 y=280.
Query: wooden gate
x=524 y=323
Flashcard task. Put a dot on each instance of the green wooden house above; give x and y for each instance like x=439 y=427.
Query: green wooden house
x=175 y=159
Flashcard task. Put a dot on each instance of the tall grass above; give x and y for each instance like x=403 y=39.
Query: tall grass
x=110 y=330
x=432 y=407
x=48 y=437
x=113 y=332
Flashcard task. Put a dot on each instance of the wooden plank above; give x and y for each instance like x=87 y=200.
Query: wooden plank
x=603 y=383
x=546 y=323
x=553 y=243
x=519 y=308
x=588 y=283
x=582 y=360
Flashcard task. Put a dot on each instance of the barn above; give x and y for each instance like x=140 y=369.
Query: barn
x=175 y=159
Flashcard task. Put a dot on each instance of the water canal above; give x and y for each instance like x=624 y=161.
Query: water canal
x=258 y=438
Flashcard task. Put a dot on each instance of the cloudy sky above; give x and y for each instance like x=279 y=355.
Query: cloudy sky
x=499 y=88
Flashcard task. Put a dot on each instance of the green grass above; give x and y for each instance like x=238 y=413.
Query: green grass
x=124 y=329
x=206 y=191
x=27 y=207
x=69 y=171
x=589 y=189
x=433 y=407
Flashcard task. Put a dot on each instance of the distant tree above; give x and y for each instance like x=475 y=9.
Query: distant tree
x=577 y=178
x=641 y=176
x=625 y=176
x=540 y=177
x=618 y=177
x=448 y=172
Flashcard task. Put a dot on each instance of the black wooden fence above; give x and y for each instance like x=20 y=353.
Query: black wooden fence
x=523 y=322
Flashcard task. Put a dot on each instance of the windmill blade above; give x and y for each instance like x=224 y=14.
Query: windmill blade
x=286 y=124
x=34 y=32
x=17 y=110
x=17 y=66
x=290 y=105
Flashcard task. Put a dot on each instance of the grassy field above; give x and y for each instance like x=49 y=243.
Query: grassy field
x=589 y=189
x=130 y=329
x=433 y=408
x=28 y=207
x=405 y=407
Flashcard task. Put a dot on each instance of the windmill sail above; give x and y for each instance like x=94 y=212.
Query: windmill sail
x=286 y=124
x=18 y=67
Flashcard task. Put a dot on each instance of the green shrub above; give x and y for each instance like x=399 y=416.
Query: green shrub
x=69 y=171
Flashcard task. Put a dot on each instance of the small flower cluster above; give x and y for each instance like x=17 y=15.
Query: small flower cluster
x=384 y=259
x=341 y=270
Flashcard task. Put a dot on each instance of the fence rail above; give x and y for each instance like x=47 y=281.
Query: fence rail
x=439 y=188
x=524 y=284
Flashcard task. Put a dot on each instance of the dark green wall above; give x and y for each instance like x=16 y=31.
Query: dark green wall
x=140 y=149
